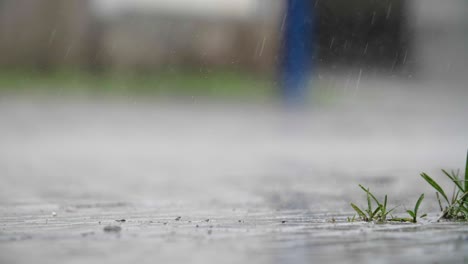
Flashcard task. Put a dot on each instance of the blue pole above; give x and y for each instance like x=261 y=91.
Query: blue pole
x=298 y=48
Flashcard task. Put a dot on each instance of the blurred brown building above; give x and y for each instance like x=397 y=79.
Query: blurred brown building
x=44 y=33
x=54 y=33
x=124 y=35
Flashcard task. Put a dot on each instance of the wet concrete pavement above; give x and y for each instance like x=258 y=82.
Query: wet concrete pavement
x=274 y=184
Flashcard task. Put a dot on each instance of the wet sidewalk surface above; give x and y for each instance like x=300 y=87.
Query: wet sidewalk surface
x=157 y=234
x=199 y=182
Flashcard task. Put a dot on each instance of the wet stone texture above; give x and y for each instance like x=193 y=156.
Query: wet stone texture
x=115 y=181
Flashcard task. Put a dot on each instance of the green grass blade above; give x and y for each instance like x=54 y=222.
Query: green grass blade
x=398 y=219
x=384 y=209
x=370 y=194
x=463 y=198
x=411 y=213
x=455 y=180
x=466 y=177
x=375 y=211
x=435 y=185
x=440 y=203
x=359 y=211
x=463 y=210
x=418 y=203
x=369 y=205
x=391 y=210
x=455 y=195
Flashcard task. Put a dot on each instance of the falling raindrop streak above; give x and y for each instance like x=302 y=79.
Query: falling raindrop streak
x=262 y=47
x=389 y=10
x=404 y=58
x=52 y=36
x=68 y=52
x=283 y=23
x=358 y=82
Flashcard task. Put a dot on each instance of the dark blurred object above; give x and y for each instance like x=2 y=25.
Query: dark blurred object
x=362 y=32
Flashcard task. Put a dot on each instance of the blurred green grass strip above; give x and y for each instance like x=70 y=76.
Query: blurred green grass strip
x=220 y=83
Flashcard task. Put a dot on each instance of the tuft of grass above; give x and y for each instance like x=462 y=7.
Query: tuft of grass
x=378 y=214
x=414 y=213
x=383 y=212
x=457 y=206
x=351 y=219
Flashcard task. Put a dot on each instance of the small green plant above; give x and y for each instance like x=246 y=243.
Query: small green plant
x=414 y=213
x=457 y=207
x=378 y=214
x=351 y=219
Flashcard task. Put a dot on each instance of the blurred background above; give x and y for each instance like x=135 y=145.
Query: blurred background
x=117 y=99
x=208 y=47
x=228 y=131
